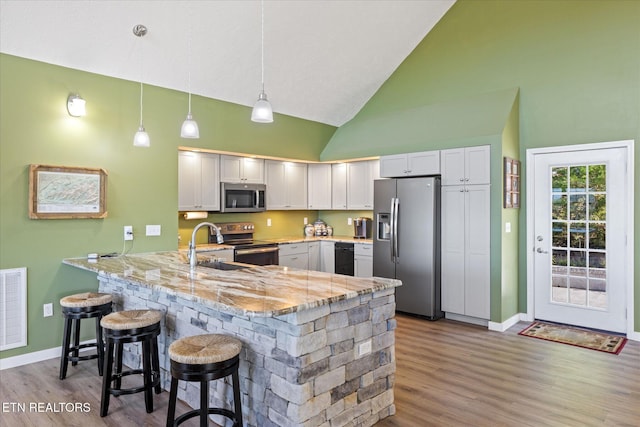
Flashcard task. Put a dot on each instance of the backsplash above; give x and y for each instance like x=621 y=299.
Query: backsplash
x=283 y=223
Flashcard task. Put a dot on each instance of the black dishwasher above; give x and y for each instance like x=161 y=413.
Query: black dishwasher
x=344 y=258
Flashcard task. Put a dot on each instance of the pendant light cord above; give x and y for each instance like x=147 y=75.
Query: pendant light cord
x=141 y=102
x=189 y=58
x=262 y=42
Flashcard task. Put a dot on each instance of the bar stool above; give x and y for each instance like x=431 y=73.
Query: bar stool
x=128 y=327
x=205 y=358
x=75 y=308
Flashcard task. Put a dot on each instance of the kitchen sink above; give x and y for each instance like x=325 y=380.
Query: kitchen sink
x=220 y=265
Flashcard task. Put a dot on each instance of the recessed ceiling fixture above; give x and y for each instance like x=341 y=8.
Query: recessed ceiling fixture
x=189 y=127
x=262 y=111
x=141 y=138
x=76 y=106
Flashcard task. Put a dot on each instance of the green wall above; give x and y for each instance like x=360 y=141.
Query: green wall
x=142 y=183
x=577 y=67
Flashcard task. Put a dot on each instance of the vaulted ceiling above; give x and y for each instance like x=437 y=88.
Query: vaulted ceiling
x=323 y=59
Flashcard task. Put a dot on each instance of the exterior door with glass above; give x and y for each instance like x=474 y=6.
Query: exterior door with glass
x=580 y=238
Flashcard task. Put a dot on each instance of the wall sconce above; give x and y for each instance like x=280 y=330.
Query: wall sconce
x=196 y=215
x=76 y=106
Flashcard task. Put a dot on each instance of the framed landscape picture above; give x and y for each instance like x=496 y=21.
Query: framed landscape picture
x=511 y=184
x=63 y=192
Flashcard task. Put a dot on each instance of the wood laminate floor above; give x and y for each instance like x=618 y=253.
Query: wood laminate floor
x=448 y=374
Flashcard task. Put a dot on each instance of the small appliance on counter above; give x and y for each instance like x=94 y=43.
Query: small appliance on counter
x=362 y=228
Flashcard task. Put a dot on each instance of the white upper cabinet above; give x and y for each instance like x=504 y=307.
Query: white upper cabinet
x=360 y=177
x=246 y=170
x=410 y=164
x=339 y=186
x=466 y=166
x=198 y=182
x=286 y=185
x=319 y=186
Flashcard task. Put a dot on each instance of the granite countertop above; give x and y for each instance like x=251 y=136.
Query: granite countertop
x=260 y=291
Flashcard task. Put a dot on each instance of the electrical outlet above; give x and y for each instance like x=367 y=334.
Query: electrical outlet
x=268 y=222
x=364 y=348
x=349 y=221
x=128 y=232
x=305 y=221
x=47 y=310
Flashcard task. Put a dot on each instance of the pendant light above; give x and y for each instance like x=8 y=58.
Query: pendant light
x=189 y=127
x=141 y=138
x=262 y=111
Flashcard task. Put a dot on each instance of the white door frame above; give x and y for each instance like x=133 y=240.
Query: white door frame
x=629 y=145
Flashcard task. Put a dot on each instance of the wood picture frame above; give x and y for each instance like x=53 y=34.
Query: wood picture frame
x=65 y=192
x=511 y=170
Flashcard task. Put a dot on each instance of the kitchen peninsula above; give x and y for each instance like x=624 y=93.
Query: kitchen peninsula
x=318 y=348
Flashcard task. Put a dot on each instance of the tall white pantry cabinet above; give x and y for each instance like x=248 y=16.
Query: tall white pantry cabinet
x=466 y=257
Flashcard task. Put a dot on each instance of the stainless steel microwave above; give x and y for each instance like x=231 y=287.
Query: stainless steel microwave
x=242 y=197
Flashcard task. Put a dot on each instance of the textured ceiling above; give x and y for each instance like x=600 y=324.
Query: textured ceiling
x=324 y=59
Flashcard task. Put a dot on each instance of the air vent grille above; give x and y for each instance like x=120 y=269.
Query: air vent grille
x=13 y=308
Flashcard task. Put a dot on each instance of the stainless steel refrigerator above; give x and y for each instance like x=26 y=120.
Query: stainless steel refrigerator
x=406 y=241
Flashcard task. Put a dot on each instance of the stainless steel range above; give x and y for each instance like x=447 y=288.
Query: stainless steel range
x=246 y=249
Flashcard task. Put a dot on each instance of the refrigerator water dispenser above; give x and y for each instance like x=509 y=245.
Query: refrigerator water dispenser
x=384 y=226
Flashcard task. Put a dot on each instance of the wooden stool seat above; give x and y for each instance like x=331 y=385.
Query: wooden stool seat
x=75 y=308
x=86 y=299
x=202 y=349
x=204 y=358
x=131 y=319
x=125 y=327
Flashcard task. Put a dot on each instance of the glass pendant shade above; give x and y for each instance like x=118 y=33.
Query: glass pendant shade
x=141 y=138
x=262 y=111
x=76 y=106
x=189 y=128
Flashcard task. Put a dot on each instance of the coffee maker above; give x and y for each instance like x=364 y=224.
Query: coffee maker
x=362 y=228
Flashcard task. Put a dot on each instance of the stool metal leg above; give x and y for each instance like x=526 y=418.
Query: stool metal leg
x=236 y=398
x=118 y=368
x=76 y=341
x=204 y=403
x=99 y=345
x=155 y=365
x=64 y=357
x=106 y=379
x=146 y=373
x=173 y=396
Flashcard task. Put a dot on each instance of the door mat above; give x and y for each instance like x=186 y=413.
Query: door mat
x=584 y=338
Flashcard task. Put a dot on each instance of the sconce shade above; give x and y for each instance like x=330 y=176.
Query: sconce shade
x=76 y=106
x=141 y=138
x=189 y=128
x=196 y=215
x=262 y=111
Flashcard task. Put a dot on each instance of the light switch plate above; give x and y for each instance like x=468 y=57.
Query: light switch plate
x=153 y=230
x=507 y=227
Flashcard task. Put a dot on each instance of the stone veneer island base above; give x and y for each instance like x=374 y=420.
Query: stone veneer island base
x=318 y=348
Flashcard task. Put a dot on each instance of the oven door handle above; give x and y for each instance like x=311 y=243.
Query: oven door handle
x=256 y=251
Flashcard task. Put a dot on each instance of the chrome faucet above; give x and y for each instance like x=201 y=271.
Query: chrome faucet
x=193 y=259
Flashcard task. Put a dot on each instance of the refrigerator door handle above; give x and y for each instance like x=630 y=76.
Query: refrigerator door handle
x=395 y=227
x=392 y=236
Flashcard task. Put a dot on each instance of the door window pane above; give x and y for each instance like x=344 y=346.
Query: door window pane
x=559 y=234
x=559 y=257
x=578 y=207
x=597 y=207
x=597 y=236
x=597 y=178
x=597 y=259
x=559 y=207
x=559 y=180
x=577 y=178
x=577 y=235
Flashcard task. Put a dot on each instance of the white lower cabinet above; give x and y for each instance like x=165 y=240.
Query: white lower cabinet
x=465 y=252
x=327 y=257
x=294 y=255
x=314 y=256
x=362 y=260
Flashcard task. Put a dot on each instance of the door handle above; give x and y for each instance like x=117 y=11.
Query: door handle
x=540 y=251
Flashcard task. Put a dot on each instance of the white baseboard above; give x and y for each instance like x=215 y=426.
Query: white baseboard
x=501 y=327
x=36 y=356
